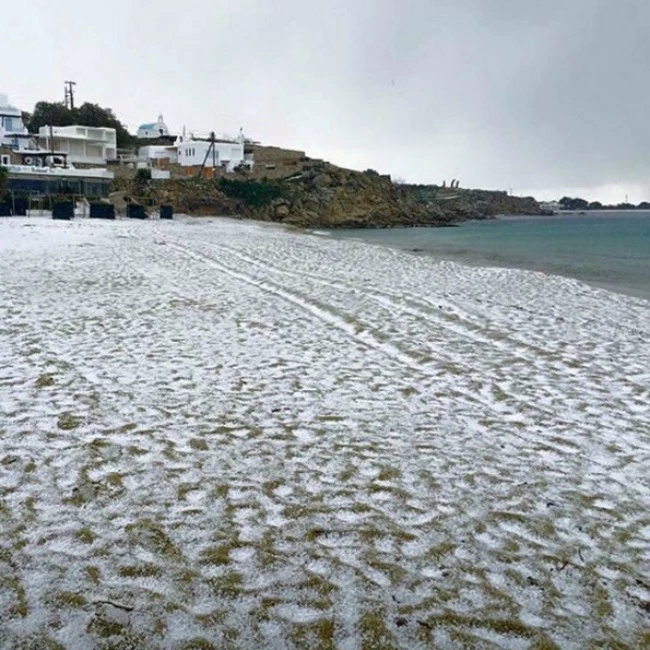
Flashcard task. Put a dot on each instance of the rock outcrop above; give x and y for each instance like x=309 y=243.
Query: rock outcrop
x=472 y=204
x=326 y=196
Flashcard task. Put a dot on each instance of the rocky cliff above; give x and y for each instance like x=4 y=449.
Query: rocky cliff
x=472 y=204
x=326 y=196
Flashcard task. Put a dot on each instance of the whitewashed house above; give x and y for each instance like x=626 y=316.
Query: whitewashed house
x=158 y=155
x=153 y=130
x=550 y=207
x=13 y=132
x=220 y=154
x=83 y=145
x=18 y=145
x=11 y=120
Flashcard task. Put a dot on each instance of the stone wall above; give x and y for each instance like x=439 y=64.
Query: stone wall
x=276 y=162
x=275 y=155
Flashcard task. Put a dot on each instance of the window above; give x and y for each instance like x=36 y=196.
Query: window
x=5 y=160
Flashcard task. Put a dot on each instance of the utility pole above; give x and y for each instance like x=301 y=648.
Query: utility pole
x=69 y=93
x=51 y=145
x=212 y=149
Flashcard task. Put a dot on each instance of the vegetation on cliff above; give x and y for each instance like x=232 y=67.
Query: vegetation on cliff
x=254 y=194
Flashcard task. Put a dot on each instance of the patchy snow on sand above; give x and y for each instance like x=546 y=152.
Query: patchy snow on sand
x=221 y=434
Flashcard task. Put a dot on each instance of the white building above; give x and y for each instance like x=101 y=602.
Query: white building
x=38 y=180
x=11 y=119
x=18 y=143
x=84 y=145
x=221 y=154
x=156 y=155
x=550 y=207
x=13 y=132
x=153 y=130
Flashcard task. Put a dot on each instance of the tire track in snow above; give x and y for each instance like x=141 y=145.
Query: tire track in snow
x=407 y=303
x=424 y=314
x=365 y=337
x=549 y=361
x=542 y=403
x=313 y=308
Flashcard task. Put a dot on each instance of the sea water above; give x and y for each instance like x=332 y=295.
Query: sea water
x=604 y=249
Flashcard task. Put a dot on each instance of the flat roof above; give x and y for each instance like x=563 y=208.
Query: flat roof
x=72 y=136
x=20 y=171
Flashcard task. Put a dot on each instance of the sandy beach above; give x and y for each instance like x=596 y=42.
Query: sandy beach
x=222 y=434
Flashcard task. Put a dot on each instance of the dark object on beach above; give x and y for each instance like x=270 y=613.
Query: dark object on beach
x=166 y=212
x=63 y=210
x=5 y=209
x=135 y=211
x=21 y=206
x=99 y=210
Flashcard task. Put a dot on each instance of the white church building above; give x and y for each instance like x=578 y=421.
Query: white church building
x=153 y=130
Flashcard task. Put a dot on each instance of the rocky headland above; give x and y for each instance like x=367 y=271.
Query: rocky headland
x=325 y=196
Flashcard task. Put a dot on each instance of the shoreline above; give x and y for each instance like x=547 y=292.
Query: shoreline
x=477 y=262
x=482 y=259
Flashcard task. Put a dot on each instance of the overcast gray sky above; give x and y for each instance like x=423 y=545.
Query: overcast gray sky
x=541 y=96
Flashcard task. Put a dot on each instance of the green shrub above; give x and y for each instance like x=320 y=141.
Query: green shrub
x=250 y=192
x=142 y=176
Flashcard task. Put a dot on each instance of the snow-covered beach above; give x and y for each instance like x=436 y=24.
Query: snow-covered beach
x=223 y=434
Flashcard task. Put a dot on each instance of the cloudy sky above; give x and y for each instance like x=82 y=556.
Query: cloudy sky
x=544 y=97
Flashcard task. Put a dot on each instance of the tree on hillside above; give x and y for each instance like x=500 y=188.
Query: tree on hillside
x=58 y=114
x=46 y=113
x=94 y=115
x=568 y=203
x=595 y=205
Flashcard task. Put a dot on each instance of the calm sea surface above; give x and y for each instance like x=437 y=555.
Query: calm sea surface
x=605 y=249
